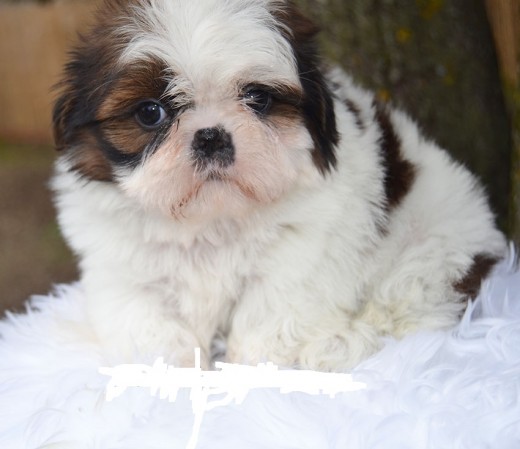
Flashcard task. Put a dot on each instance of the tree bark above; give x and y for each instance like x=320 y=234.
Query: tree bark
x=505 y=21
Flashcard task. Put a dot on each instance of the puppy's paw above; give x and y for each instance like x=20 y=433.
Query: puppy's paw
x=330 y=352
x=340 y=352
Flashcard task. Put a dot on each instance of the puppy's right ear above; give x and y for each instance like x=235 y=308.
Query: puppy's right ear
x=61 y=119
x=78 y=92
x=74 y=124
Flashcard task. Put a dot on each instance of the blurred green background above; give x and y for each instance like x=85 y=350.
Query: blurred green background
x=32 y=252
x=453 y=65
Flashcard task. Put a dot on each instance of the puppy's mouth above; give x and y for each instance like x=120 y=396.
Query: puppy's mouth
x=212 y=173
x=212 y=181
x=215 y=176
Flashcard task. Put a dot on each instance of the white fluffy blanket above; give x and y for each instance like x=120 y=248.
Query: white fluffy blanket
x=454 y=389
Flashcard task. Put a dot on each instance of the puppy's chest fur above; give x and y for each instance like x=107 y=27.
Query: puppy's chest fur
x=205 y=280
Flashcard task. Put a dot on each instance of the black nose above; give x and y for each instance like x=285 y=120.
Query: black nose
x=213 y=145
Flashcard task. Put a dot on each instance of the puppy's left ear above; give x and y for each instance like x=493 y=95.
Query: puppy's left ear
x=317 y=104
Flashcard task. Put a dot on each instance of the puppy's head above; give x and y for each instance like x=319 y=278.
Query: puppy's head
x=197 y=108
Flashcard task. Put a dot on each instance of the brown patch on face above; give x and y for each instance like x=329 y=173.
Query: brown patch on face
x=94 y=118
x=137 y=82
x=126 y=137
x=469 y=285
x=284 y=111
x=116 y=114
x=399 y=172
x=284 y=115
x=88 y=160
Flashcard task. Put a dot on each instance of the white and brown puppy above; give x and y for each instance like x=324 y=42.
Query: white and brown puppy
x=214 y=180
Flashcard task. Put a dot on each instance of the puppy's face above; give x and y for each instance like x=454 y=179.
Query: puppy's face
x=197 y=108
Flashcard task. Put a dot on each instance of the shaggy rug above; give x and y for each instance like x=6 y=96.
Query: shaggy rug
x=453 y=389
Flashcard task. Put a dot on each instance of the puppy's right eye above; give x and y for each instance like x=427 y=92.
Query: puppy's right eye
x=150 y=115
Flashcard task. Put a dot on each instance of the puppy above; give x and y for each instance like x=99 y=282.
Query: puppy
x=215 y=180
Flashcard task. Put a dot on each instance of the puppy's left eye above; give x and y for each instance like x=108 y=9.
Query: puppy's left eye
x=150 y=115
x=258 y=100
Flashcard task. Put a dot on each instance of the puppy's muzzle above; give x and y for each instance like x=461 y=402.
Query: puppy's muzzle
x=213 y=146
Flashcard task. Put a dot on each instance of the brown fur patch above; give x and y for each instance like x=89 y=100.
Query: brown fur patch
x=137 y=82
x=116 y=113
x=286 y=100
x=470 y=284
x=94 y=118
x=353 y=108
x=399 y=172
x=88 y=159
x=285 y=112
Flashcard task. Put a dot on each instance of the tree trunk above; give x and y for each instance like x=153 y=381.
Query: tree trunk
x=505 y=20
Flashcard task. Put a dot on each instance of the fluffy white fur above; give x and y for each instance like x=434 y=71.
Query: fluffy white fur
x=458 y=388
x=210 y=44
x=283 y=262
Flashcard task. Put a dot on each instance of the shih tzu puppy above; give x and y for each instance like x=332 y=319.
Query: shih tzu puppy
x=216 y=181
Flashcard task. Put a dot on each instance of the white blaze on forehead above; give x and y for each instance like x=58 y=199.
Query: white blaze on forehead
x=211 y=41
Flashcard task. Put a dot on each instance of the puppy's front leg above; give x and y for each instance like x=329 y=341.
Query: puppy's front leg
x=138 y=323
x=298 y=328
